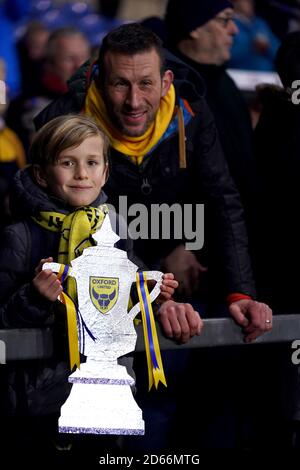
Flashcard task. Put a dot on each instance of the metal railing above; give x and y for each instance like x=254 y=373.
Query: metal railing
x=24 y=344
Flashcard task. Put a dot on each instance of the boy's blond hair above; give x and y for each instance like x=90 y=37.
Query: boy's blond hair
x=61 y=133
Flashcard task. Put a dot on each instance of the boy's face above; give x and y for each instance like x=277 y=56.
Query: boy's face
x=78 y=175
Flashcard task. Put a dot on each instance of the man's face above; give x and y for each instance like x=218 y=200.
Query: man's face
x=133 y=88
x=215 y=37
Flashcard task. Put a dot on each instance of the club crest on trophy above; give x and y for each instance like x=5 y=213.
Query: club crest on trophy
x=104 y=292
x=102 y=329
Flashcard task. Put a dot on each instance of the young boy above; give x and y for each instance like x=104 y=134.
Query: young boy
x=58 y=201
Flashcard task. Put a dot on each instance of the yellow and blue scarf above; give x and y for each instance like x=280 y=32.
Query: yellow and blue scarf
x=134 y=147
x=75 y=230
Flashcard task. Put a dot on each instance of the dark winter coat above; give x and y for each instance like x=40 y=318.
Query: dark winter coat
x=233 y=122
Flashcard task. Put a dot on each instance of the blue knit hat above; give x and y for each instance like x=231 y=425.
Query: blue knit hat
x=183 y=16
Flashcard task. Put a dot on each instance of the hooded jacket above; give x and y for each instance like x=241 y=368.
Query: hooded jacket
x=159 y=179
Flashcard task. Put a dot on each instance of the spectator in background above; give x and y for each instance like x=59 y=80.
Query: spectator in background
x=32 y=52
x=276 y=145
x=67 y=48
x=278 y=15
x=10 y=12
x=255 y=45
x=12 y=157
x=201 y=34
x=128 y=110
x=165 y=149
x=277 y=142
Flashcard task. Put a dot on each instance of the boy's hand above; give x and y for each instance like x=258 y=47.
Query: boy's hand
x=179 y=320
x=46 y=282
x=167 y=288
x=40 y=265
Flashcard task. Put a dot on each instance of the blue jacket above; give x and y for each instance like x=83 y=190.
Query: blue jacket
x=10 y=12
x=243 y=53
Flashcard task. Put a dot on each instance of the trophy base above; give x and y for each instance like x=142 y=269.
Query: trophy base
x=112 y=431
x=94 y=372
x=101 y=405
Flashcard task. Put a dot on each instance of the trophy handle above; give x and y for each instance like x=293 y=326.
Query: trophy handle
x=55 y=267
x=151 y=275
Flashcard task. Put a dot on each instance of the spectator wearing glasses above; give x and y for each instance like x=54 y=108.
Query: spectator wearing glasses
x=201 y=34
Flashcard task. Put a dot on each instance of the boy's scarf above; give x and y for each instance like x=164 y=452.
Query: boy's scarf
x=134 y=147
x=76 y=229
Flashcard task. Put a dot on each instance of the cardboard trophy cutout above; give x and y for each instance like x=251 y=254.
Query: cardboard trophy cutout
x=101 y=400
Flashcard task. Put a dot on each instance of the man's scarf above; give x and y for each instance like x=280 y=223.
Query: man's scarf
x=135 y=147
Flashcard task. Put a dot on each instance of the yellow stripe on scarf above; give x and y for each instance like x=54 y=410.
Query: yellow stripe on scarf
x=134 y=147
x=76 y=229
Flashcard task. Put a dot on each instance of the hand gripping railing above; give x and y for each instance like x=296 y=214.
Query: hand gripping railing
x=37 y=343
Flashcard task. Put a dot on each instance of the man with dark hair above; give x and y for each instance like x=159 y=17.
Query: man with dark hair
x=119 y=42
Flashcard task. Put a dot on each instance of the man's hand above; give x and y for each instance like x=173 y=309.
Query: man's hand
x=186 y=268
x=167 y=288
x=254 y=317
x=179 y=321
x=46 y=282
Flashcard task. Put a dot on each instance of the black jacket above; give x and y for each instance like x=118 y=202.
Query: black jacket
x=277 y=143
x=233 y=122
x=160 y=180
